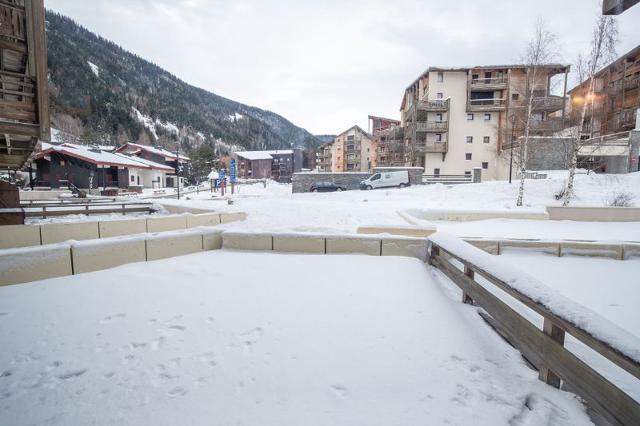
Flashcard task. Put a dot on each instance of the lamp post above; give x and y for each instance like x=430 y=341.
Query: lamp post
x=512 y=119
x=178 y=166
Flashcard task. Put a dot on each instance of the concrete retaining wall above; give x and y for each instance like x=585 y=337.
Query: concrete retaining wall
x=38 y=263
x=299 y=243
x=52 y=233
x=161 y=246
x=207 y=219
x=473 y=215
x=166 y=223
x=407 y=231
x=405 y=247
x=107 y=253
x=182 y=209
x=595 y=214
x=348 y=244
x=115 y=228
x=247 y=241
x=35 y=263
x=415 y=173
x=14 y=236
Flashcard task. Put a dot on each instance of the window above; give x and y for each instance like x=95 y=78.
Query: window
x=467 y=173
x=439 y=117
x=436 y=172
x=487 y=139
x=487 y=117
x=440 y=95
x=468 y=156
x=375 y=177
x=469 y=139
x=470 y=117
x=485 y=165
x=438 y=137
x=440 y=77
x=474 y=77
x=515 y=96
x=133 y=178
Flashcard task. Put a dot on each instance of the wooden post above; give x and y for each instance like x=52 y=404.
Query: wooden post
x=466 y=299
x=44 y=212
x=557 y=335
x=123 y=211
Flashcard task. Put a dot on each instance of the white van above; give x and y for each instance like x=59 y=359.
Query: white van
x=386 y=180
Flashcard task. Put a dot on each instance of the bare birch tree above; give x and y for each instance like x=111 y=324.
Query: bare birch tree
x=541 y=50
x=602 y=51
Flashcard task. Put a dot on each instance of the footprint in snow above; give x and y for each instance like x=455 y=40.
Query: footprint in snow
x=71 y=374
x=111 y=318
x=340 y=391
x=177 y=391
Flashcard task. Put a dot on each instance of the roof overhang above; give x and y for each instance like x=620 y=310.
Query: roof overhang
x=616 y=7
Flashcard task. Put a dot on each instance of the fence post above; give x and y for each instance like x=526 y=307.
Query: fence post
x=466 y=299
x=44 y=212
x=557 y=335
x=123 y=212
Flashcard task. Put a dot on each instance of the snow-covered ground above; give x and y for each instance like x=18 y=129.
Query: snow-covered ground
x=294 y=339
x=276 y=208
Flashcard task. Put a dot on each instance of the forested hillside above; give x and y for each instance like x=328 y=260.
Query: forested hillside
x=102 y=93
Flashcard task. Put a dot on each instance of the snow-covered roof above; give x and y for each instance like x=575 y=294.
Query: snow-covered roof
x=98 y=157
x=262 y=155
x=158 y=151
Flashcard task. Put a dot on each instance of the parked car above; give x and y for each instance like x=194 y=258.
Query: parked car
x=327 y=187
x=386 y=180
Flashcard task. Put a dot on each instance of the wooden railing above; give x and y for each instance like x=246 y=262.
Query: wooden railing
x=45 y=211
x=544 y=349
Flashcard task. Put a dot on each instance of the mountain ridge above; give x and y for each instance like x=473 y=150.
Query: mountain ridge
x=100 y=92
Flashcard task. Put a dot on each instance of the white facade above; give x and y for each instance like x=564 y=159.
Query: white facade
x=472 y=137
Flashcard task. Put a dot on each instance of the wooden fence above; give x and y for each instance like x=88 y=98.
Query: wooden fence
x=544 y=349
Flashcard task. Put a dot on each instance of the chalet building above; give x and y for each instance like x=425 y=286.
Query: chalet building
x=616 y=97
x=160 y=156
x=458 y=119
x=89 y=167
x=351 y=151
x=279 y=165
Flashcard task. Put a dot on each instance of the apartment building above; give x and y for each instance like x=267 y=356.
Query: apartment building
x=616 y=97
x=388 y=138
x=351 y=151
x=458 y=119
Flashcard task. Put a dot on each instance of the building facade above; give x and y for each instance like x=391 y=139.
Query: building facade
x=353 y=150
x=616 y=98
x=458 y=119
x=276 y=164
x=161 y=156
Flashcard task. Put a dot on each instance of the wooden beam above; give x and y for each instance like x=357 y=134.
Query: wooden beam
x=616 y=7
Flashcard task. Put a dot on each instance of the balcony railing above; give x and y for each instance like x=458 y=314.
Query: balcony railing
x=548 y=125
x=489 y=83
x=548 y=103
x=431 y=147
x=432 y=126
x=487 y=104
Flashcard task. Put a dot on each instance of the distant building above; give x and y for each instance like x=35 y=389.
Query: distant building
x=458 y=119
x=89 y=167
x=616 y=97
x=161 y=156
x=353 y=150
x=380 y=124
x=275 y=164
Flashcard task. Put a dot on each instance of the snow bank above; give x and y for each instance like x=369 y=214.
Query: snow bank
x=582 y=317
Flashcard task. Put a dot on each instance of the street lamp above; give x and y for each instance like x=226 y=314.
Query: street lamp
x=178 y=166
x=512 y=119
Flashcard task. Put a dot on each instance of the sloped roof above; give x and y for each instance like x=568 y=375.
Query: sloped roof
x=254 y=155
x=158 y=151
x=100 y=158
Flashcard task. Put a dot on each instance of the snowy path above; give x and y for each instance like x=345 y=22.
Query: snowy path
x=260 y=339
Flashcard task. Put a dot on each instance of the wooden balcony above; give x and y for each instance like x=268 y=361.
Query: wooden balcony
x=496 y=83
x=489 y=104
x=551 y=125
x=430 y=147
x=548 y=103
x=432 y=126
x=438 y=105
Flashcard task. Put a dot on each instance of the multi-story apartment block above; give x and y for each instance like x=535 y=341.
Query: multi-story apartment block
x=388 y=137
x=458 y=119
x=351 y=151
x=615 y=100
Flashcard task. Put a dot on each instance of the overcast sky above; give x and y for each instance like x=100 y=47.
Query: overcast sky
x=326 y=65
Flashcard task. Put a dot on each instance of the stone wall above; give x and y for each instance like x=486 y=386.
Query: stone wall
x=548 y=153
x=302 y=181
x=415 y=173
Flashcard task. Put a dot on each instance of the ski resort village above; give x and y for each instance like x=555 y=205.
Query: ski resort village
x=449 y=234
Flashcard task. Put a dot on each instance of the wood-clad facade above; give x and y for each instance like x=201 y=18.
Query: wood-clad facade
x=24 y=95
